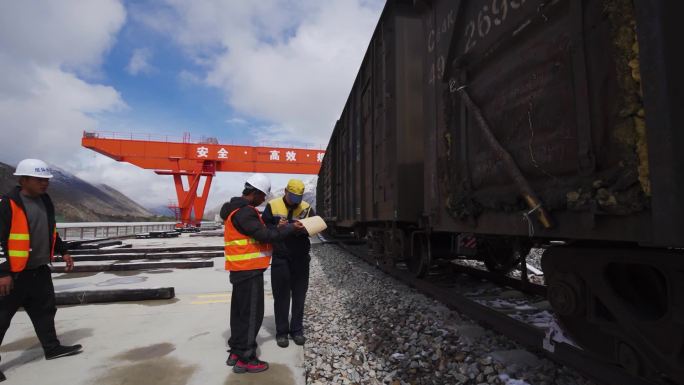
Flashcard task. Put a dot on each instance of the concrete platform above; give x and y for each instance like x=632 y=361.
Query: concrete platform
x=171 y=342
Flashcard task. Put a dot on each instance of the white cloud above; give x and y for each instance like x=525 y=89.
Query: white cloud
x=236 y=121
x=68 y=33
x=189 y=78
x=143 y=186
x=288 y=63
x=46 y=51
x=48 y=122
x=139 y=62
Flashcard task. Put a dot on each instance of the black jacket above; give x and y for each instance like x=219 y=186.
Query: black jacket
x=6 y=224
x=296 y=247
x=246 y=221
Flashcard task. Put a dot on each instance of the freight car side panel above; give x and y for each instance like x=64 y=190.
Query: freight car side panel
x=383 y=169
x=350 y=183
x=346 y=183
x=359 y=181
x=409 y=120
x=554 y=82
x=438 y=25
x=659 y=31
x=390 y=117
x=397 y=118
x=337 y=173
x=325 y=188
x=366 y=115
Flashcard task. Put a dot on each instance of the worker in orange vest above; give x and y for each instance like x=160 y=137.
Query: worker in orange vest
x=248 y=254
x=29 y=239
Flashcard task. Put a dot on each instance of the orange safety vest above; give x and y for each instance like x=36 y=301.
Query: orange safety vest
x=243 y=252
x=19 y=243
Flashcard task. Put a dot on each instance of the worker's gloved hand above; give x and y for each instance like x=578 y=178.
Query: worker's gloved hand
x=6 y=285
x=299 y=227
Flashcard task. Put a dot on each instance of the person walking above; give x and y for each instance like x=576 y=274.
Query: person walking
x=248 y=254
x=29 y=239
x=290 y=267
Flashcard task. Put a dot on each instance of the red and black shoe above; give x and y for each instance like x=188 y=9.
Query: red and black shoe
x=252 y=366
x=232 y=359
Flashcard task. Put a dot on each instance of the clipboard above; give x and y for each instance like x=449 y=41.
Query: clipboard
x=314 y=225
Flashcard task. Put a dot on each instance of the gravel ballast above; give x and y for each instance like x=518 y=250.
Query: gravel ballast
x=364 y=327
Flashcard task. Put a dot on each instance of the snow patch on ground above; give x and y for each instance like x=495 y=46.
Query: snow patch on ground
x=511 y=381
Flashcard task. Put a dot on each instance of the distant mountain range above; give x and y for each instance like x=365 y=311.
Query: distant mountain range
x=79 y=201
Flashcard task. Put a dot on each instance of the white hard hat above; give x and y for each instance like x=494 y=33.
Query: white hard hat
x=260 y=182
x=33 y=167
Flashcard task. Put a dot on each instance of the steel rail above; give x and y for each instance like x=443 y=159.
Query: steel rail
x=527 y=335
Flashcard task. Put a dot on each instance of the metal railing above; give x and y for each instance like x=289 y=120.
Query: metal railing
x=80 y=231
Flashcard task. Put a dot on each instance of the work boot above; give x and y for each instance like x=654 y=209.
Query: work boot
x=232 y=359
x=253 y=366
x=282 y=341
x=299 y=339
x=2 y=376
x=62 y=351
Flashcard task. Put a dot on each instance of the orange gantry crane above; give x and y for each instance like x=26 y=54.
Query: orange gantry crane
x=193 y=161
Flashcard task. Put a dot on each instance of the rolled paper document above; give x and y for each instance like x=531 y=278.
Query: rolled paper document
x=314 y=225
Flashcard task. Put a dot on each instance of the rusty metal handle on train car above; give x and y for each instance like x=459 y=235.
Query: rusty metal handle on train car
x=531 y=198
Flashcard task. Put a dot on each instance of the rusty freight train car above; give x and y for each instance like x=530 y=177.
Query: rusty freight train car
x=553 y=124
x=375 y=175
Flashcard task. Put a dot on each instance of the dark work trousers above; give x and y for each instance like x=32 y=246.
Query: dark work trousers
x=246 y=313
x=34 y=291
x=289 y=279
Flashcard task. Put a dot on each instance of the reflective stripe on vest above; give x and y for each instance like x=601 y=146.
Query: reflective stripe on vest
x=19 y=241
x=278 y=208
x=242 y=242
x=242 y=252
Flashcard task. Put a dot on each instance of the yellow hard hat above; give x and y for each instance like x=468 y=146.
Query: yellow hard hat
x=295 y=186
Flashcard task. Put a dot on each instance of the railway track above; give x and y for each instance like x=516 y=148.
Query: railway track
x=512 y=307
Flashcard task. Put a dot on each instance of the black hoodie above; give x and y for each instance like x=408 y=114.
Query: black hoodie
x=294 y=249
x=6 y=224
x=246 y=221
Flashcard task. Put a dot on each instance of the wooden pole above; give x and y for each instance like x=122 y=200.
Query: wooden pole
x=136 y=266
x=133 y=256
x=98 y=296
x=533 y=202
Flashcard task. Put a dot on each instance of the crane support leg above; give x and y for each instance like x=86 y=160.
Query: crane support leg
x=188 y=200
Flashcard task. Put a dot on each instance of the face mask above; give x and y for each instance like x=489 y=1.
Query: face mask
x=294 y=199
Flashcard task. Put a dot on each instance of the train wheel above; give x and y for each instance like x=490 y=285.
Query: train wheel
x=360 y=232
x=420 y=259
x=621 y=304
x=376 y=244
x=501 y=256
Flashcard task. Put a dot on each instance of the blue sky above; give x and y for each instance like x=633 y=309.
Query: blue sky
x=240 y=71
x=158 y=97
